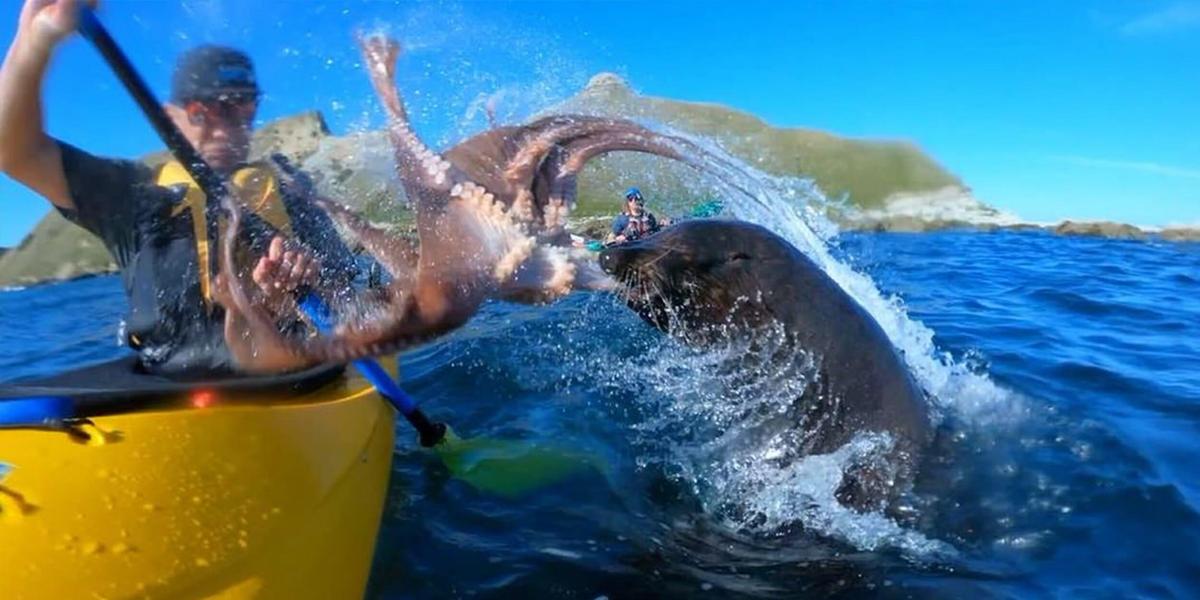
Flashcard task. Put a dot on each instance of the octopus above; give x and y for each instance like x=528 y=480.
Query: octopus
x=490 y=216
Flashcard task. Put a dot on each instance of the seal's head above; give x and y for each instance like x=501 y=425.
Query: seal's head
x=698 y=274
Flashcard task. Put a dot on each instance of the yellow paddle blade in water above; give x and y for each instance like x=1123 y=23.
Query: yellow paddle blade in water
x=512 y=468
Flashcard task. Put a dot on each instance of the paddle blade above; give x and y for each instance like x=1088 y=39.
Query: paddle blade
x=512 y=468
x=708 y=209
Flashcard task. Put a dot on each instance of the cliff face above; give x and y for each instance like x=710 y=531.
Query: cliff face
x=56 y=249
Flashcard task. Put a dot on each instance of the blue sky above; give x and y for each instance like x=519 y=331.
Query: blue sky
x=1050 y=110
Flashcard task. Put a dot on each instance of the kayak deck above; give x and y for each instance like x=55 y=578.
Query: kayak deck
x=244 y=495
x=121 y=386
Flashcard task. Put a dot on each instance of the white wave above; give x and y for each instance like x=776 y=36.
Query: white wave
x=949 y=204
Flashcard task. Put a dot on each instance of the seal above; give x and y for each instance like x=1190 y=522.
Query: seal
x=709 y=280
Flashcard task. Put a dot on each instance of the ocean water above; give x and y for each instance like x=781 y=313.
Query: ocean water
x=1066 y=376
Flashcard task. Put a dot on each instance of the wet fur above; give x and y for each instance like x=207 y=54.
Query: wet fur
x=710 y=279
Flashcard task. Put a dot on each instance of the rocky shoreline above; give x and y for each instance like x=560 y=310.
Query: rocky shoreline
x=1102 y=229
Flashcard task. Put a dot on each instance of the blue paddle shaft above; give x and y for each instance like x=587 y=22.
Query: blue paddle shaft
x=429 y=433
x=372 y=371
x=35 y=411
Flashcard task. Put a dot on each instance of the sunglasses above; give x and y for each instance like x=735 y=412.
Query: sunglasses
x=235 y=110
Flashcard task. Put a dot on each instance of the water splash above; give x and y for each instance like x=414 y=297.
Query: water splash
x=722 y=421
x=793 y=208
x=772 y=499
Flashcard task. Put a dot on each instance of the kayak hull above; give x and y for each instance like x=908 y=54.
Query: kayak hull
x=222 y=498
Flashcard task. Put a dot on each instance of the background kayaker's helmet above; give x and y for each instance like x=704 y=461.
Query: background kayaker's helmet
x=634 y=195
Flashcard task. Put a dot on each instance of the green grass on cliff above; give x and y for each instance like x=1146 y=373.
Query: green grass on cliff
x=55 y=249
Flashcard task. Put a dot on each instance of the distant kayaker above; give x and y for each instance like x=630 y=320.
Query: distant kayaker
x=154 y=220
x=635 y=222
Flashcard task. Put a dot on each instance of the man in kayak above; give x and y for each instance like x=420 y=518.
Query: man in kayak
x=635 y=222
x=154 y=221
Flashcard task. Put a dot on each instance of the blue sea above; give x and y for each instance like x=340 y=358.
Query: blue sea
x=1065 y=373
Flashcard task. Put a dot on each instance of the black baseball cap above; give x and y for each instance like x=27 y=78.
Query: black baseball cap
x=213 y=72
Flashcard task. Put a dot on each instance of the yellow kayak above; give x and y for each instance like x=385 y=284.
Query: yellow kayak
x=251 y=491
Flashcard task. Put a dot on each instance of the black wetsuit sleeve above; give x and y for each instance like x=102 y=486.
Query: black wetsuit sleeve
x=105 y=193
x=619 y=224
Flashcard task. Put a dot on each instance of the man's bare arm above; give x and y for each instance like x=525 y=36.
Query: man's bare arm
x=27 y=153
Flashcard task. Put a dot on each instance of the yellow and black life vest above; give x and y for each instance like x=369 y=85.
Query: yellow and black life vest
x=258 y=188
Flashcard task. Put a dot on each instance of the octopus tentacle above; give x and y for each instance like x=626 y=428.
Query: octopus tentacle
x=631 y=137
x=516 y=161
x=397 y=255
x=490 y=214
x=541 y=136
x=423 y=171
x=448 y=236
x=489 y=109
x=251 y=333
x=257 y=318
x=535 y=166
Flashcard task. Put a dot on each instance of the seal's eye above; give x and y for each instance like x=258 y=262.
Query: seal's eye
x=738 y=256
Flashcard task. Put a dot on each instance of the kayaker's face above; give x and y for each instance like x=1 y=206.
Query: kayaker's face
x=220 y=129
x=635 y=206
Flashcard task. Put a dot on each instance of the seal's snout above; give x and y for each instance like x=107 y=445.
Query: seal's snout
x=611 y=260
